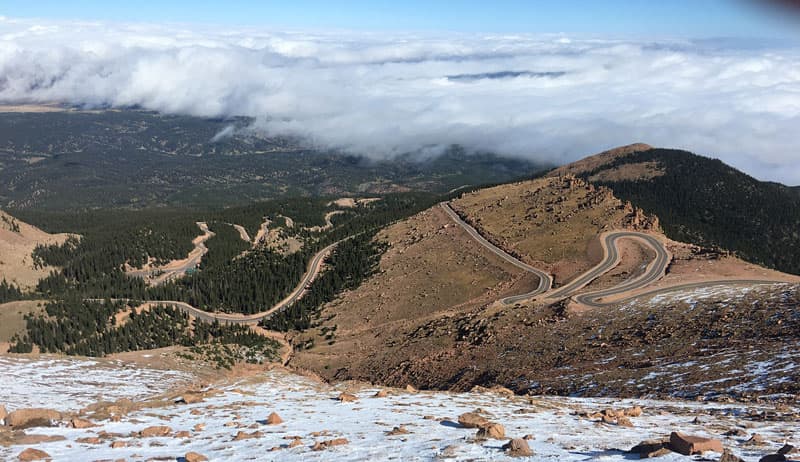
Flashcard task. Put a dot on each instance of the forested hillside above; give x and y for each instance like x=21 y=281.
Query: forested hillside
x=233 y=276
x=707 y=202
x=69 y=160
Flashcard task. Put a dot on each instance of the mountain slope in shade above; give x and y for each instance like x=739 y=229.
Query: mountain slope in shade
x=703 y=201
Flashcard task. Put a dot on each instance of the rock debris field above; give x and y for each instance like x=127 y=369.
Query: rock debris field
x=149 y=415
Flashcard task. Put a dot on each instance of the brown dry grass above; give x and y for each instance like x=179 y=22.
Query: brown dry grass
x=431 y=269
x=12 y=317
x=592 y=162
x=549 y=222
x=16 y=263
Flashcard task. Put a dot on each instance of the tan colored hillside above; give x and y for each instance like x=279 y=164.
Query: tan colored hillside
x=16 y=263
x=550 y=222
x=431 y=316
x=593 y=162
x=431 y=270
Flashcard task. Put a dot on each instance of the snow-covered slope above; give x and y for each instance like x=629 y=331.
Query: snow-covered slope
x=311 y=412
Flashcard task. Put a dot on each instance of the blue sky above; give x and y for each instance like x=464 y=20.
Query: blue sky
x=681 y=18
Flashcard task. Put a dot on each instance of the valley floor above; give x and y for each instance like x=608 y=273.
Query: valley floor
x=228 y=420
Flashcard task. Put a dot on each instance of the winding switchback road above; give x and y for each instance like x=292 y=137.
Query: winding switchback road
x=545 y=280
x=654 y=271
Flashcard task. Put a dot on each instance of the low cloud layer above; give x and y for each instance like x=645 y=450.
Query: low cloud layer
x=543 y=97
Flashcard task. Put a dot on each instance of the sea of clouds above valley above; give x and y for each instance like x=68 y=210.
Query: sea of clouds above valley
x=547 y=97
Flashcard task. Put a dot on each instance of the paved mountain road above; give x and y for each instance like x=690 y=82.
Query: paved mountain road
x=545 y=280
x=654 y=271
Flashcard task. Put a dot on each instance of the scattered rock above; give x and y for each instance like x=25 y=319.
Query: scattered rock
x=623 y=421
x=472 y=420
x=81 y=423
x=689 y=445
x=728 y=456
x=199 y=427
x=401 y=430
x=755 y=440
x=28 y=418
x=119 y=444
x=3 y=414
x=295 y=442
x=518 y=447
x=89 y=440
x=183 y=434
x=410 y=388
x=786 y=449
x=634 y=411
x=247 y=436
x=650 y=448
x=381 y=394
x=492 y=431
x=347 y=398
x=195 y=457
x=31 y=454
x=773 y=458
x=274 y=419
x=158 y=430
x=322 y=445
x=736 y=432
x=190 y=398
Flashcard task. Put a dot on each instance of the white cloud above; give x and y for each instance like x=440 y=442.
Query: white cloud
x=381 y=95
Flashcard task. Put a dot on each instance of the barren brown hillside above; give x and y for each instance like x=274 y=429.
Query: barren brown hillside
x=16 y=246
x=551 y=222
x=590 y=163
x=432 y=269
x=430 y=317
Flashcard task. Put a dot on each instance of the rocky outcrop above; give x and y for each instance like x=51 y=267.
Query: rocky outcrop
x=34 y=417
x=274 y=419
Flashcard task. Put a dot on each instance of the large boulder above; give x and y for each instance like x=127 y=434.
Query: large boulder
x=493 y=431
x=651 y=448
x=158 y=430
x=81 y=423
x=518 y=447
x=31 y=454
x=473 y=420
x=28 y=418
x=689 y=445
x=347 y=398
x=195 y=457
x=274 y=419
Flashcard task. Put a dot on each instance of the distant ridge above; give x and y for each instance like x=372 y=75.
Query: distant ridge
x=590 y=163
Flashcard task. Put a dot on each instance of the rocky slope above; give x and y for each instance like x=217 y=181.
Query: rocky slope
x=277 y=415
